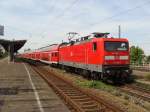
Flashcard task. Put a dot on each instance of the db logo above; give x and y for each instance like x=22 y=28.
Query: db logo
x=117 y=57
x=117 y=63
x=71 y=54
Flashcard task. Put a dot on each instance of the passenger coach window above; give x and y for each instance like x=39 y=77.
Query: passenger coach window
x=94 y=46
x=55 y=54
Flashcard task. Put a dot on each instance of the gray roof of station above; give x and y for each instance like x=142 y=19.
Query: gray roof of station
x=18 y=44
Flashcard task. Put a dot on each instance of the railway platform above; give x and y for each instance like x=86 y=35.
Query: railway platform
x=23 y=90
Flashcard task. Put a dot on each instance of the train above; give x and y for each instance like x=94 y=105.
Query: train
x=96 y=56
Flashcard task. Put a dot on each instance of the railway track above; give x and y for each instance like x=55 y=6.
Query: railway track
x=137 y=91
x=77 y=99
x=142 y=69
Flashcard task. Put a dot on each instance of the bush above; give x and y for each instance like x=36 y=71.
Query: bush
x=126 y=97
x=93 y=84
x=148 y=77
x=2 y=55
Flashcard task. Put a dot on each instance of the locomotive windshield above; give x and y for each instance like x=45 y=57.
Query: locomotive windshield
x=116 y=46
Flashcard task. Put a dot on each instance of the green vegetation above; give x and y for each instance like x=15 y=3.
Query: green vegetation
x=95 y=84
x=148 y=59
x=3 y=55
x=137 y=55
x=143 y=85
x=147 y=77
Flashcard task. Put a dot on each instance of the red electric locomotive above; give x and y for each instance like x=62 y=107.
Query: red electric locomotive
x=98 y=57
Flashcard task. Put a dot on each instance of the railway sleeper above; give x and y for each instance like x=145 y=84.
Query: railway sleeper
x=82 y=100
x=103 y=108
x=88 y=102
x=90 y=106
x=66 y=87
x=77 y=95
x=67 y=91
x=100 y=107
x=72 y=93
x=93 y=110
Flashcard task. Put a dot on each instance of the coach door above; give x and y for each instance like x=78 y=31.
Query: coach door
x=86 y=55
x=50 y=56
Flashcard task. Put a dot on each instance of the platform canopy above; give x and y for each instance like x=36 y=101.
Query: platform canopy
x=16 y=44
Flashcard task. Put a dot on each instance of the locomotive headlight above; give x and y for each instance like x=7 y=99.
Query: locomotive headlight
x=109 y=57
x=124 y=57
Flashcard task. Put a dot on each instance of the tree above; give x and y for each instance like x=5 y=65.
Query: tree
x=1 y=53
x=148 y=59
x=132 y=54
x=136 y=54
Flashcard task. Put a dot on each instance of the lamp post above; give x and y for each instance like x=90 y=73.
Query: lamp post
x=119 y=31
x=1 y=30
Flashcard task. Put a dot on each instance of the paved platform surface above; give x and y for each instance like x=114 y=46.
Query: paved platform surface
x=22 y=90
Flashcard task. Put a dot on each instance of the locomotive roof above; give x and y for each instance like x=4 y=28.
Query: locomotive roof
x=100 y=33
x=92 y=36
x=115 y=39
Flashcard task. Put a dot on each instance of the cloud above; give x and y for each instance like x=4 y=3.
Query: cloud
x=47 y=21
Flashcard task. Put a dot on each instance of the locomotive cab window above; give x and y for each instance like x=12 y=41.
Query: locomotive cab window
x=94 y=46
x=116 y=46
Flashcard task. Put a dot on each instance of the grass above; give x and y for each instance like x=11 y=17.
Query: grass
x=94 y=84
x=147 y=77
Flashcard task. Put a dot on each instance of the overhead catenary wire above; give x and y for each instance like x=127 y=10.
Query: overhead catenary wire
x=30 y=34
x=21 y=30
x=59 y=16
x=27 y=32
x=120 y=13
x=67 y=9
x=74 y=3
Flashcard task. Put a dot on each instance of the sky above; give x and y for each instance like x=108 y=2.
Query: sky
x=44 y=22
